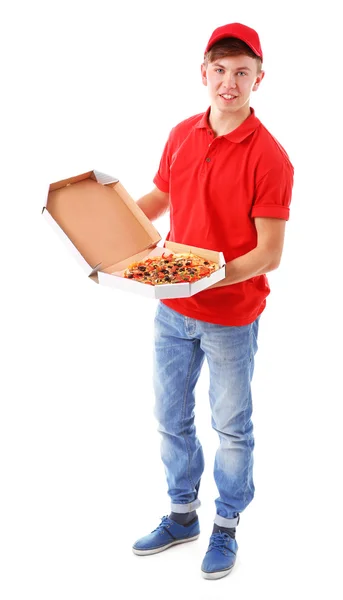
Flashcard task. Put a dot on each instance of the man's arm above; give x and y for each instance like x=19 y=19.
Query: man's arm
x=154 y=204
x=262 y=259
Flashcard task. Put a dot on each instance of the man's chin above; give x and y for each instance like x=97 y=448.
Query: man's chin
x=228 y=109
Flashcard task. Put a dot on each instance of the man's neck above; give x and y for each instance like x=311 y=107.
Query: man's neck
x=224 y=124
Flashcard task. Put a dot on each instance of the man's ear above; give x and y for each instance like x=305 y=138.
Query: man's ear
x=258 y=81
x=203 y=74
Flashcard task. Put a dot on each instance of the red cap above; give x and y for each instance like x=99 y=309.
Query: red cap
x=239 y=31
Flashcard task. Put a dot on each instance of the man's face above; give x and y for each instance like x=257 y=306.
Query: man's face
x=230 y=81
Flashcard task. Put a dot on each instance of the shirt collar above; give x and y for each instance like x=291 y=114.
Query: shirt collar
x=240 y=133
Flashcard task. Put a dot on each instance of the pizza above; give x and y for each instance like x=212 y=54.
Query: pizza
x=170 y=268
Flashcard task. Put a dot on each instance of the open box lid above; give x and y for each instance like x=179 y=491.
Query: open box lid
x=104 y=224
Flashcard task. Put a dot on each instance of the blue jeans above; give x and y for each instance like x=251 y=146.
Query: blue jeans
x=181 y=345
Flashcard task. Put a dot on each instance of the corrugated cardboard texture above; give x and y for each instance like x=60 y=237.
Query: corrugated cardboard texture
x=102 y=221
x=75 y=179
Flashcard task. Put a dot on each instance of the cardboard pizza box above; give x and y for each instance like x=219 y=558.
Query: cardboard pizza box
x=105 y=230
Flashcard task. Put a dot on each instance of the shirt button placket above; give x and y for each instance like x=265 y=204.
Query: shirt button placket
x=208 y=158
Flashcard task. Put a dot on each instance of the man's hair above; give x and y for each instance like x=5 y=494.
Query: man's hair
x=230 y=47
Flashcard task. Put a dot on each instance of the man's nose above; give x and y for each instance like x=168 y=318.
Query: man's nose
x=230 y=79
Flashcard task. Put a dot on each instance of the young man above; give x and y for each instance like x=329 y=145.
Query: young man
x=228 y=185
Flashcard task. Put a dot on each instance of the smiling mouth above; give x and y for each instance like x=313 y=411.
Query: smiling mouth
x=227 y=96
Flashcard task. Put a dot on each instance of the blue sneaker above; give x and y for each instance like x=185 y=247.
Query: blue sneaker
x=167 y=534
x=220 y=556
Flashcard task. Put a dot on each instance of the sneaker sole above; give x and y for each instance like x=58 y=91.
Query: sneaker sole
x=161 y=548
x=216 y=574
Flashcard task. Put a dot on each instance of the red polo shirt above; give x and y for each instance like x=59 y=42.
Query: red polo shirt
x=217 y=185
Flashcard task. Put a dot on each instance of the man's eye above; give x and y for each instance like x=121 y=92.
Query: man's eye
x=221 y=70
x=241 y=73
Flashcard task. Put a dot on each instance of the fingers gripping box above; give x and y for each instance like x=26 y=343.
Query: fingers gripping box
x=105 y=230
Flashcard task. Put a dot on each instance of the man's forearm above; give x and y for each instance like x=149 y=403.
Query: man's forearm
x=256 y=262
x=153 y=205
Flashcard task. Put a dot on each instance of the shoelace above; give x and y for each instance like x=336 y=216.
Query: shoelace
x=218 y=541
x=164 y=523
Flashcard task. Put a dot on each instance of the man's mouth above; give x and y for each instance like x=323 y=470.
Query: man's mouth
x=227 y=96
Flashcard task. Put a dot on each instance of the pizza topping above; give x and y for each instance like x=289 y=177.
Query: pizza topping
x=171 y=268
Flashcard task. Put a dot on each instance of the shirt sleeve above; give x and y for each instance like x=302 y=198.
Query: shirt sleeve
x=274 y=192
x=161 y=179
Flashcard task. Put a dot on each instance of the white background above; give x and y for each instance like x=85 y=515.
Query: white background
x=98 y=85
